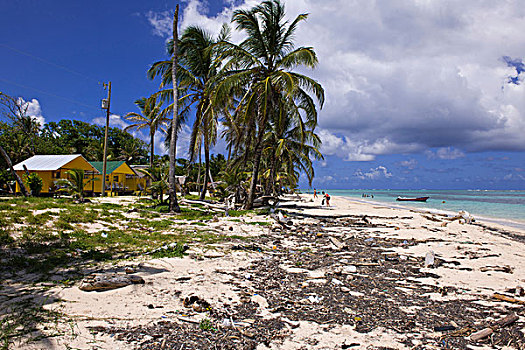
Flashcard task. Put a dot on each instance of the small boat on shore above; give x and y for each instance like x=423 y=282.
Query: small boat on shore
x=412 y=199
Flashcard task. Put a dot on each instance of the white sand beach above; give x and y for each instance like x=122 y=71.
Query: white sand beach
x=472 y=262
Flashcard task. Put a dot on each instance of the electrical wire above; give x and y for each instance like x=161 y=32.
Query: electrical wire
x=50 y=94
x=50 y=63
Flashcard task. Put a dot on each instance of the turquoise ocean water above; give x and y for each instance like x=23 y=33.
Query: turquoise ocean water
x=507 y=205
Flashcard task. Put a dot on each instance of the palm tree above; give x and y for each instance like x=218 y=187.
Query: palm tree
x=197 y=67
x=131 y=150
x=263 y=65
x=158 y=176
x=75 y=184
x=151 y=117
x=290 y=143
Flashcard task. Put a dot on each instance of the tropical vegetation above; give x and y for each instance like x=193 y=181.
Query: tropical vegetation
x=249 y=94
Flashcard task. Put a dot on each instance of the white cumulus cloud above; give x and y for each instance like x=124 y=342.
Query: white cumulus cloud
x=162 y=22
x=445 y=153
x=32 y=109
x=373 y=174
x=410 y=164
x=405 y=76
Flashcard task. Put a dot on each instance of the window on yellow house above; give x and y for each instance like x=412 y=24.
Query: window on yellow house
x=115 y=178
x=107 y=177
x=56 y=174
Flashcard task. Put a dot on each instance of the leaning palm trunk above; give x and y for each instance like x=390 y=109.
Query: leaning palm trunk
x=13 y=172
x=174 y=205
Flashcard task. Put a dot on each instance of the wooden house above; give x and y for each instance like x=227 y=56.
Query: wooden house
x=120 y=179
x=52 y=167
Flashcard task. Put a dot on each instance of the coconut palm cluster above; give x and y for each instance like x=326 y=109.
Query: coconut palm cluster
x=250 y=94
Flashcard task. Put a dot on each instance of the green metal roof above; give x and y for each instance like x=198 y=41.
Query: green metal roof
x=110 y=166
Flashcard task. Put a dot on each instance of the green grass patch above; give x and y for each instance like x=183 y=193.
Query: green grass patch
x=62 y=224
x=5 y=236
x=259 y=223
x=170 y=251
x=207 y=325
x=79 y=215
x=5 y=206
x=198 y=223
x=39 y=219
x=193 y=215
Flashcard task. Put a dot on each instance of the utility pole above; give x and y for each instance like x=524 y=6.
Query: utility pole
x=105 y=105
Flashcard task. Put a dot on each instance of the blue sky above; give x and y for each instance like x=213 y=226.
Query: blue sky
x=419 y=94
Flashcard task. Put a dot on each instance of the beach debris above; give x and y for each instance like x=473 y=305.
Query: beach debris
x=349 y=269
x=314 y=299
x=517 y=291
x=337 y=282
x=338 y=244
x=506 y=269
x=445 y=328
x=508 y=299
x=464 y=217
x=431 y=218
x=293 y=324
x=260 y=300
x=187 y=319
x=430 y=259
x=108 y=281
x=485 y=332
x=196 y=303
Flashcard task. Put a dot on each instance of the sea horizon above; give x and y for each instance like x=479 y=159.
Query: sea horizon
x=501 y=206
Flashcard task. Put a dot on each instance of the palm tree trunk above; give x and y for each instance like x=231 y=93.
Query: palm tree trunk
x=207 y=172
x=271 y=183
x=13 y=172
x=199 y=174
x=256 y=163
x=151 y=147
x=174 y=205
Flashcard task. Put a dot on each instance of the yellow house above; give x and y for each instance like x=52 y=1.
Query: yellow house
x=52 y=167
x=120 y=179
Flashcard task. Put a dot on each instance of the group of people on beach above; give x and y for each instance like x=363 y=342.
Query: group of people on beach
x=325 y=196
x=364 y=195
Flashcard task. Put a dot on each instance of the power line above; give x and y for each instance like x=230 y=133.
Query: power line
x=50 y=63
x=50 y=94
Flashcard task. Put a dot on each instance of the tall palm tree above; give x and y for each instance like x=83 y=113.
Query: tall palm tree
x=264 y=65
x=151 y=117
x=197 y=66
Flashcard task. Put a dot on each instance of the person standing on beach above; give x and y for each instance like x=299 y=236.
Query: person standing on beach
x=324 y=198
x=327 y=197
x=315 y=193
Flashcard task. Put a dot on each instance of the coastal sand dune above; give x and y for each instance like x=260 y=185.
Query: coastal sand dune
x=353 y=275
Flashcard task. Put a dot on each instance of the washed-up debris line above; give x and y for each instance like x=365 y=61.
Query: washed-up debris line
x=365 y=284
x=181 y=335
